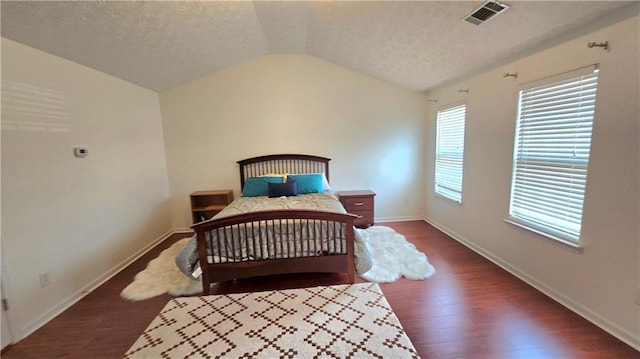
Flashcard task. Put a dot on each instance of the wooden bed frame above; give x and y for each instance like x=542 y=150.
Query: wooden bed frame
x=337 y=227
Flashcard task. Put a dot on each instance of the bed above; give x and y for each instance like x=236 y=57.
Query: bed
x=260 y=236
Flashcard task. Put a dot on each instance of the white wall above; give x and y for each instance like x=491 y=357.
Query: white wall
x=602 y=282
x=373 y=131
x=76 y=219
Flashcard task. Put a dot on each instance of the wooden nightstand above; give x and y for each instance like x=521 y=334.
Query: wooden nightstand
x=206 y=204
x=360 y=203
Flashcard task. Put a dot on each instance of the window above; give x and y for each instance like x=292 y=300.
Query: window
x=551 y=154
x=450 y=152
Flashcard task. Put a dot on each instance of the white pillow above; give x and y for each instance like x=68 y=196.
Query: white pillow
x=325 y=183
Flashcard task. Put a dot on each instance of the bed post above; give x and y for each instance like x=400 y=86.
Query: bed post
x=202 y=259
x=351 y=252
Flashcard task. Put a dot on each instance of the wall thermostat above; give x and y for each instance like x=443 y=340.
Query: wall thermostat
x=80 y=152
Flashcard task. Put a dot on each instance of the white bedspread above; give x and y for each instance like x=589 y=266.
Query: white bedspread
x=326 y=201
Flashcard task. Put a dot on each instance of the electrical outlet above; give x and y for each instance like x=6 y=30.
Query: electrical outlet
x=44 y=279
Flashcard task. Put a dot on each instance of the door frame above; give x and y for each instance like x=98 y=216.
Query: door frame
x=7 y=316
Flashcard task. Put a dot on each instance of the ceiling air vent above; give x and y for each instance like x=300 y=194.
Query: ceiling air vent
x=485 y=12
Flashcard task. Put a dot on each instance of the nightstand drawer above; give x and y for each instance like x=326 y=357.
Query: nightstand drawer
x=358 y=203
x=367 y=216
x=362 y=222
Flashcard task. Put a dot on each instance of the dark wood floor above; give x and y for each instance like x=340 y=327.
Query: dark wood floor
x=469 y=309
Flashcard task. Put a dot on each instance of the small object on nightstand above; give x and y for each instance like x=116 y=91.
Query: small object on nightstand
x=206 y=204
x=359 y=203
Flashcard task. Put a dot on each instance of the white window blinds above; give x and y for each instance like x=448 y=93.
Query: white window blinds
x=450 y=152
x=551 y=154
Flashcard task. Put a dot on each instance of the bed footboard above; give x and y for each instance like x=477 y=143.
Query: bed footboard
x=275 y=242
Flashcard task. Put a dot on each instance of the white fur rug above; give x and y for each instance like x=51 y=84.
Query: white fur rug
x=392 y=257
x=162 y=276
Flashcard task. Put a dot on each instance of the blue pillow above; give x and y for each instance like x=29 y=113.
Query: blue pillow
x=258 y=186
x=307 y=183
x=282 y=189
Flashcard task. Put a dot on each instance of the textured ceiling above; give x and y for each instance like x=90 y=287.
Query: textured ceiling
x=416 y=45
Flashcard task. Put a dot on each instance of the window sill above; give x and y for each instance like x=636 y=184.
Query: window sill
x=561 y=242
x=436 y=194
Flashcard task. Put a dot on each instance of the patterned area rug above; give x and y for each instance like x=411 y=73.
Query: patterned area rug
x=342 y=321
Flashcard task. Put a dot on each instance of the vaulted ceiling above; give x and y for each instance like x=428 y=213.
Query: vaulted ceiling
x=416 y=45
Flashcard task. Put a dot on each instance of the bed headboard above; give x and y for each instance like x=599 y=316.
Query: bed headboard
x=281 y=164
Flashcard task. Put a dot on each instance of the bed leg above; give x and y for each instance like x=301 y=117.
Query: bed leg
x=351 y=268
x=351 y=277
x=206 y=287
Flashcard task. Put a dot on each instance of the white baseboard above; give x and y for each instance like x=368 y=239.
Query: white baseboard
x=595 y=318
x=398 y=219
x=184 y=230
x=81 y=293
